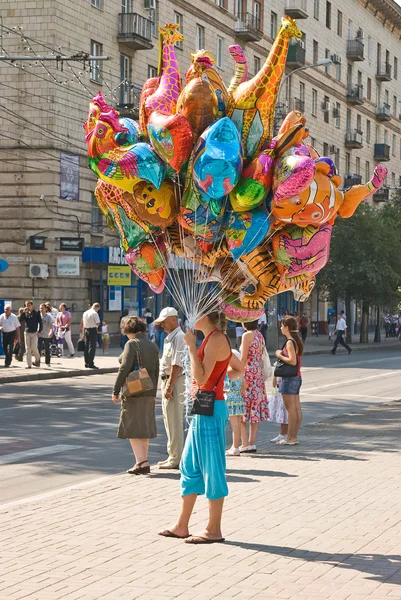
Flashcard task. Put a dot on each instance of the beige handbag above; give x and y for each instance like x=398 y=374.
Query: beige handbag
x=137 y=381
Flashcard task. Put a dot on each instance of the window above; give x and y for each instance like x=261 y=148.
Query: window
x=302 y=92
x=125 y=76
x=326 y=109
x=359 y=79
x=96 y=216
x=377 y=135
x=379 y=55
x=200 y=37
x=312 y=141
x=395 y=69
x=393 y=180
x=385 y=139
x=219 y=53
x=337 y=113
x=369 y=48
x=337 y=159
x=325 y=149
x=96 y=49
x=338 y=71
x=348 y=163
x=273 y=24
x=256 y=64
x=348 y=120
x=124 y=6
x=369 y=89
x=395 y=104
x=328 y=15
x=222 y=4
x=316 y=9
x=349 y=29
x=96 y=3
x=315 y=52
x=179 y=21
x=393 y=144
x=257 y=12
x=154 y=17
x=314 y=103
x=359 y=123
x=357 y=166
x=152 y=71
x=239 y=8
x=367 y=170
x=340 y=23
x=367 y=131
x=386 y=97
x=327 y=55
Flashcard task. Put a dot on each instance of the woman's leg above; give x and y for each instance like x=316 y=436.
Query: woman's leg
x=213 y=528
x=235 y=423
x=140 y=448
x=299 y=411
x=253 y=433
x=283 y=429
x=291 y=406
x=181 y=527
x=244 y=435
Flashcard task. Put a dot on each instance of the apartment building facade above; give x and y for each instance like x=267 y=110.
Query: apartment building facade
x=49 y=213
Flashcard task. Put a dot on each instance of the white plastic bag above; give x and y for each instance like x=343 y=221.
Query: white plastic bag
x=277 y=410
x=266 y=365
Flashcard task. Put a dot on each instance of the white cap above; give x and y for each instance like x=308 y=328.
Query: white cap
x=166 y=312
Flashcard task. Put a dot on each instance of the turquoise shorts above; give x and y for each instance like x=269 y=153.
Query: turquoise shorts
x=203 y=461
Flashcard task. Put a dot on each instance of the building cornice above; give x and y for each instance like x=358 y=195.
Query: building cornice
x=389 y=9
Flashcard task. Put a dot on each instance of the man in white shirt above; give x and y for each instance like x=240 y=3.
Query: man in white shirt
x=89 y=327
x=341 y=328
x=9 y=325
x=173 y=386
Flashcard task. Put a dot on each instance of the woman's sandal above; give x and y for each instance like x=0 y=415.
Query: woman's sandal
x=170 y=534
x=199 y=539
x=138 y=470
x=284 y=442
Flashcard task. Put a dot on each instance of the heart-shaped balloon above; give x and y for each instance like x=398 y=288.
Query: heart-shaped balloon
x=149 y=262
x=158 y=207
x=132 y=135
x=245 y=231
x=293 y=172
x=217 y=159
x=171 y=137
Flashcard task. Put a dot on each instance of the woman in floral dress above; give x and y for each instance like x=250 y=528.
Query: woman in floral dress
x=255 y=399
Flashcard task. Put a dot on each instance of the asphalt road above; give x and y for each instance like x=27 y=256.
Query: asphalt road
x=57 y=433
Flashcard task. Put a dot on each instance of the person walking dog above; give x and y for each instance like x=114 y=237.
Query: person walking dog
x=173 y=386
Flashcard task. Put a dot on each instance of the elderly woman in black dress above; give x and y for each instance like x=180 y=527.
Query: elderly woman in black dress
x=137 y=420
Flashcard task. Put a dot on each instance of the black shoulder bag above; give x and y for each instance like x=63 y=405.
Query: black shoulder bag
x=283 y=369
x=203 y=403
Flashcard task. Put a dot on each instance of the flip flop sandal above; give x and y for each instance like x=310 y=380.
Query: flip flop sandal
x=170 y=534
x=198 y=539
x=285 y=443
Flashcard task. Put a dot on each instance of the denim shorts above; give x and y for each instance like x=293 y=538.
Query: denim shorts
x=290 y=385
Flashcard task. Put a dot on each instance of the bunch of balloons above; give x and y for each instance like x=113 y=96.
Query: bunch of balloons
x=201 y=176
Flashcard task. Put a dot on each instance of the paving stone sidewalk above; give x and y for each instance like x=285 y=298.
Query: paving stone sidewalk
x=320 y=521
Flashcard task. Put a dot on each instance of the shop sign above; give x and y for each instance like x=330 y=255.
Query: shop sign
x=71 y=244
x=117 y=275
x=116 y=256
x=67 y=266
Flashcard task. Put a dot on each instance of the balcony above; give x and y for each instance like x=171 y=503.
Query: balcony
x=383 y=72
x=350 y=180
x=355 y=49
x=383 y=112
x=354 y=139
x=298 y=104
x=248 y=28
x=296 y=54
x=355 y=94
x=296 y=9
x=382 y=152
x=382 y=195
x=128 y=104
x=134 y=31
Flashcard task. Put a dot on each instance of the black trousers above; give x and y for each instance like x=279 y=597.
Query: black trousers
x=340 y=340
x=44 y=343
x=90 y=345
x=8 y=346
x=304 y=332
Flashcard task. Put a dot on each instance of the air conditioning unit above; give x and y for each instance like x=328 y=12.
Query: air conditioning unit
x=39 y=271
x=332 y=149
x=326 y=106
x=360 y=34
x=149 y=4
x=336 y=113
x=336 y=59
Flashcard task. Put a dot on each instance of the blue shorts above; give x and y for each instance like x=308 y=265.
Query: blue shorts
x=290 y=385
x=203 y=461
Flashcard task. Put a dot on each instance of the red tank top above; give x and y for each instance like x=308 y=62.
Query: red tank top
x=216 y=378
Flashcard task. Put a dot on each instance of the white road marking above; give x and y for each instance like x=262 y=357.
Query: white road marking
x=35 y=452
x=348 y=364
x=357 y=380
x=367 y=396
x=94 y=429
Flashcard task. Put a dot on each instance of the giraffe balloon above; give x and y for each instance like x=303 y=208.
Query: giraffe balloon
x=164 y=99
x=254 y=100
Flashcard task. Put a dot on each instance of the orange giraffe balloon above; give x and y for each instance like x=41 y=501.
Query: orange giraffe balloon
x=255 y=100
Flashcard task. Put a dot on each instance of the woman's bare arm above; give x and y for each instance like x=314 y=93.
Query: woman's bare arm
x=291 y=359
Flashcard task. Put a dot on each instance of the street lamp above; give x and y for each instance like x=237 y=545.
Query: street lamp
x=323 y=62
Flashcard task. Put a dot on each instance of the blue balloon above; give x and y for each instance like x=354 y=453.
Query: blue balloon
x=218 y=160
x=245 y=231
x=133 y=134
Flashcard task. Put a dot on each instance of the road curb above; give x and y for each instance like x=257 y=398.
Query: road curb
x=358 y=348
x=57 y=374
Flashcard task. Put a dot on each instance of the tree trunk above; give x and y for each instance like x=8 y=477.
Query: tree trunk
x=348 y=337
x=377 y=330
x=364 y=339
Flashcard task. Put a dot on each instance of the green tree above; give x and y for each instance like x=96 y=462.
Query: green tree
x=365 y=259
